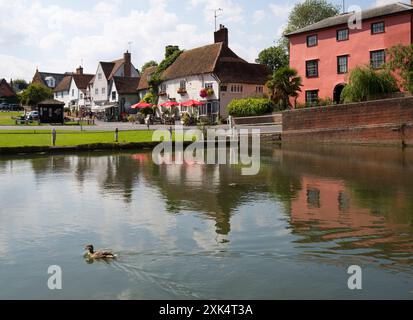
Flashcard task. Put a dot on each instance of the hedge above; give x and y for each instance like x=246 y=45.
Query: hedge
x=250 y=107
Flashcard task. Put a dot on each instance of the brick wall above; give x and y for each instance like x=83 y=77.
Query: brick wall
x=275 y=118
x=384 y=121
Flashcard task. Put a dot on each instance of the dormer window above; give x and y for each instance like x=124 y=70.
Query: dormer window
x=312 y=40
x=51 y=82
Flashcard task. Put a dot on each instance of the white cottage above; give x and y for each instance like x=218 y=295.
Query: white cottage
x=72 y=90
x=99 y=91
x=214 y=75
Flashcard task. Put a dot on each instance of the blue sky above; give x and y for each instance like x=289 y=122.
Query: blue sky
x=57 y=35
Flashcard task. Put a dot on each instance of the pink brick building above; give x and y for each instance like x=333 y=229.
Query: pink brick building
x=325 y=52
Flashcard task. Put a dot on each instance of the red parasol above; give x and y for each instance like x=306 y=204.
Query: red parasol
x=192 y=103
x=142 y=105
x=169 y=104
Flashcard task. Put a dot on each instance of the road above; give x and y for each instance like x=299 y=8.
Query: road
x=111 y=126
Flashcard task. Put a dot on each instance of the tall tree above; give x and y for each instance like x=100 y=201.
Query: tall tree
x=285 y=84
x=401 y=63
x=149 y=64
x=309 y=12
x=274 y=58
x=20 y=85
x=34 y=94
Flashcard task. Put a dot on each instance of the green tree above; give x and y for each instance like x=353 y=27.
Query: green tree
x=34 y=94
x=309 y=12
x=365 y=84
x=274 y=58
x=20 y=85
x=149 y=98
x=170 y=50
x=149 y=64
x=285 y=84
x=401 y=62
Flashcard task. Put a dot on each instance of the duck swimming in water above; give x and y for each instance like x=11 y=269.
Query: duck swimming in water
x=98 y=255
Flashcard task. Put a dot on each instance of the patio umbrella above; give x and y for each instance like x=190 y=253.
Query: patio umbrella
x=192 y=103
x=142 y=105
x=169 y=104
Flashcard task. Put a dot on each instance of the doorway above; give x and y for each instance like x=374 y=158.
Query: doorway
x=337 y=92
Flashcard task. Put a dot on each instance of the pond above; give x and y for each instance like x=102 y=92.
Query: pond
x=207 y=232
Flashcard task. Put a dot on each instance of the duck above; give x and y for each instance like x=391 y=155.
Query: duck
x=99 y=255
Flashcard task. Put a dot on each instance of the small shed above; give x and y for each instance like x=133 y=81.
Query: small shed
x=51 y=111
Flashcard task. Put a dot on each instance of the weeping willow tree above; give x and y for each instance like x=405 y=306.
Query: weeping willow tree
x=366 y=84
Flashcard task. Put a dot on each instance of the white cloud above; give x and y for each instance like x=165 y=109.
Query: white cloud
x=60 y=37
x=281 y=10
x=385 y=2
x=15 y=68
x=232 y=12
x=258 y=16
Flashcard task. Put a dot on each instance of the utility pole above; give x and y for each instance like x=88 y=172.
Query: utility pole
x=344 y=6
x=216 y=16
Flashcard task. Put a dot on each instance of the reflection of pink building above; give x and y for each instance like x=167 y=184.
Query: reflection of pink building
x=325 y=52
x=328 y=203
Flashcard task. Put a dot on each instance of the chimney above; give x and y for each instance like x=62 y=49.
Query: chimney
x=128 y=64
x=222 y=35
x=79 y=70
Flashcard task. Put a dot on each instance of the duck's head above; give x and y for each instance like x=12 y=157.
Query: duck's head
x=90 y=248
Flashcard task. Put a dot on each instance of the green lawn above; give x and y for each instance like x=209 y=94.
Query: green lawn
x=30 y=138
x=6 y=118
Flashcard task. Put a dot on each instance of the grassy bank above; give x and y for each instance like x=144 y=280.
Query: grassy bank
x=40 y=138
x=6 y=118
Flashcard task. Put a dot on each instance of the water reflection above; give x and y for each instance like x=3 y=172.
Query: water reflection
x=306 y=202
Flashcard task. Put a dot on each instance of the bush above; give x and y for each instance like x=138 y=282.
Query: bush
x=132 y=118
x=204 y=121
x=187 y=120
x=250 y=107
x=366 y=84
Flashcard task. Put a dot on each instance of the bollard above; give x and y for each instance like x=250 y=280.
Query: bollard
x=117 y=135
x=54 y=134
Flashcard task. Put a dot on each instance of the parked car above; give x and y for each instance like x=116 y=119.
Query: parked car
x=4 y=106
x=32 y=115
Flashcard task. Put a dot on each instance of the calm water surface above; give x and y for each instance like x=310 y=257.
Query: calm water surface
x=207 y=232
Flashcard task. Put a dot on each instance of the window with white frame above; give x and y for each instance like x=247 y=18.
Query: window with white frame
x=182 y=85
x=81 y=96
x=259 y=89
x=163 y=88
x=209 y=85
x=236 y=88
x=73 y=92
x=99 y=76
x=96 y=91
x=103 y=90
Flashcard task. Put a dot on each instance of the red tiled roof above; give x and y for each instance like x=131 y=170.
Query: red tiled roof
x=126 y=85
x=82 y=80
x=143 y=83
x=5 y=89
x=220 y=60
x=64 y=85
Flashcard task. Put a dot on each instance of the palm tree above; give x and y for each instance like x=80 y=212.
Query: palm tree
x=285 y=83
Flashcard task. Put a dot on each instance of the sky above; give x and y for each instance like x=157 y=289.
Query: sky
x=59 y=35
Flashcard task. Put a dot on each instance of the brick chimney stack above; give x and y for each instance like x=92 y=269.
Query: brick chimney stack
x=128 y=64
x=222 y=35
x=79 y=70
